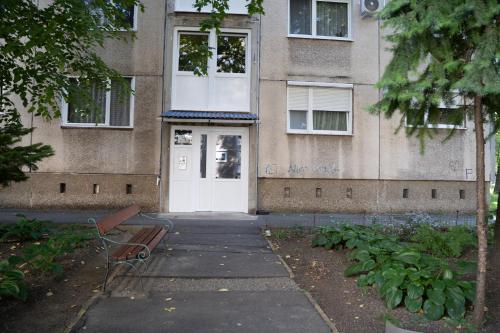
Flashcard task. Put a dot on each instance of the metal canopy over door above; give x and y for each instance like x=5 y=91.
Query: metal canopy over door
x=209 y=169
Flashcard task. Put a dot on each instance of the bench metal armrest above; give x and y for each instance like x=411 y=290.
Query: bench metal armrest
x=105 y=240
x=169 y=225
x=142 y=254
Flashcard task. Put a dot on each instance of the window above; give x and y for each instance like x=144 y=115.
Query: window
x=230 y=55
x=129 y=14
x=446 y=115
x=218 y=80
x=323 y=109
x=190 y=57
x=113 y=107
x=235 y=7
x=328 y=19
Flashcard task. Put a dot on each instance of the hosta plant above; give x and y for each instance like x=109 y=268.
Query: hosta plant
x=12 y=279
x=402 y=273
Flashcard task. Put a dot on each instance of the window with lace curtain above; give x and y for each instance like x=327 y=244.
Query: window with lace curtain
x=113 y=107
x=327 y=19
x=321 y=109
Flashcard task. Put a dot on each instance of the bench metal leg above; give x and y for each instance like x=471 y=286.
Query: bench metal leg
x=105 y=277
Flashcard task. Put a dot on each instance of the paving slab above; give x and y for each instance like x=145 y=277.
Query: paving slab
x=223 y=228
x=250 y=240
x=215 y=248
x=215 y=265
x=206 y=312
x=128 y=287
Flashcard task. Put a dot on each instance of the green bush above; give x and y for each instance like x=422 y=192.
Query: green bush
x=43 y=256
x=402 y=273
x=25 y=230
x=451 y=242
x=12 y=279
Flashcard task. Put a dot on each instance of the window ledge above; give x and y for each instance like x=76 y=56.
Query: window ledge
x=341 y=39
x=461 y=128
x=73 y=126
x=289 y=132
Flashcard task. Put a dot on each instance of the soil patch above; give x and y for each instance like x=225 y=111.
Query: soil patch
x=352 y=309
x=53 y=302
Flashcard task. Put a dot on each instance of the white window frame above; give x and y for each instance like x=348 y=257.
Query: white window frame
x=64 y=110
x=134 y=24
x=310 y=129
x=205 y=10
x=314 y=27
x=212 y=61
x=442 y=105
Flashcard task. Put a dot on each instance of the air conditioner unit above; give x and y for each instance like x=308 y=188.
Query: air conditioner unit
x=371 y=7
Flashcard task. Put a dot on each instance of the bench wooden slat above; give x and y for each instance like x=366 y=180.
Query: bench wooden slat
x=109 y=222
x=157 y=239
x=121 y=251
x=152 y=232
x=146 y=236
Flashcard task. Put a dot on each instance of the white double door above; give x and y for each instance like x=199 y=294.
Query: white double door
x=208 y=169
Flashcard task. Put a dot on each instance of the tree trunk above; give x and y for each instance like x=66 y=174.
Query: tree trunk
x=496 y=248
x=481 y=225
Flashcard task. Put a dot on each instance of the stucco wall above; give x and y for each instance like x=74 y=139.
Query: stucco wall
x=374 y=151
x=111 y=158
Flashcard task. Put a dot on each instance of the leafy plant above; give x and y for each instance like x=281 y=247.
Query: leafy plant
x=402 y=273
x=12 y=279
x=25 y=229
x=447 y=243
x=282 y=234
x=43 y=256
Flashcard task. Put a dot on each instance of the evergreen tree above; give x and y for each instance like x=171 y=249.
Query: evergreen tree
x=443 y=50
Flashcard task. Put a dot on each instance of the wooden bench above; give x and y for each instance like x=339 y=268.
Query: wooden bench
x=135 y=251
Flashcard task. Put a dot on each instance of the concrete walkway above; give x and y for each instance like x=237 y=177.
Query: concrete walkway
x=215 y=276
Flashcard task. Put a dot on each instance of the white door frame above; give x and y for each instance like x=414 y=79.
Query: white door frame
x=192 y=193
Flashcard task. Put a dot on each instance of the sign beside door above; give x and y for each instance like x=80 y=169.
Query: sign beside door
x=209 y=170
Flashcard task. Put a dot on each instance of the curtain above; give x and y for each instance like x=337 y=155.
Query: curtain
x=119 y=113
x=330 y=121
x=332 y=19
x=300 y=17
x=81 y=113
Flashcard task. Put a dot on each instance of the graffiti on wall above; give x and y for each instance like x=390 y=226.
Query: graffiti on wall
x=299 y=170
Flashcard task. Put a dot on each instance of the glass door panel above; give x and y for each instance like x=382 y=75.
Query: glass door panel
x=228 y=157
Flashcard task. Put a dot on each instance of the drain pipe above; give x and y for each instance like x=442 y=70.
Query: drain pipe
x=259 y=36
x=159 y=179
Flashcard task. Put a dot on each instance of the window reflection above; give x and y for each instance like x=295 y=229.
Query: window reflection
x=183 y=137
x=203 y=156
x=228 y=157
x=231 y=54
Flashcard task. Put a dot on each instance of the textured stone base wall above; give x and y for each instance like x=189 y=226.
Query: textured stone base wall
x=42 y=190
x=365 y=196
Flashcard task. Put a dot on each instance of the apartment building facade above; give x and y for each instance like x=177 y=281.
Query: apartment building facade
x=274 y=119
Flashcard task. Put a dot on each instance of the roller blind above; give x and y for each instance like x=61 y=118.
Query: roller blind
x=330 y=99
x=298 y=98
